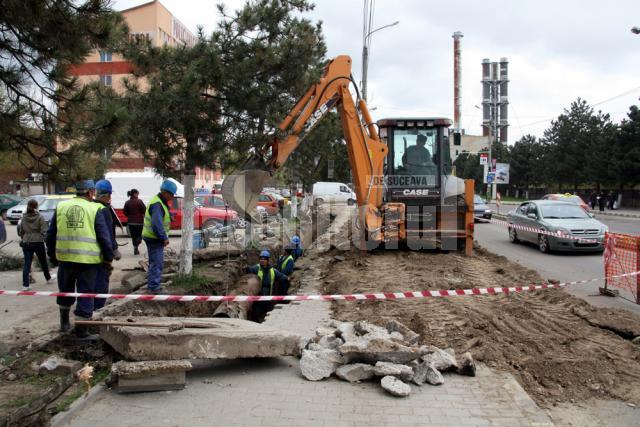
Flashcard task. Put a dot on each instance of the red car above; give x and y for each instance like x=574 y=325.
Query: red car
x=203 y=216
x=270 y=203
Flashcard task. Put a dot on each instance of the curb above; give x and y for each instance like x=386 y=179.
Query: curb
x=63 y=418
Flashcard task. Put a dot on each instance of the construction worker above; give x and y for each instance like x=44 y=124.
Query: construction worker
x=103 y=197
x=272 y=282
x=286 y=261
x=155 y=233
x=297 y=247
x=79 y=240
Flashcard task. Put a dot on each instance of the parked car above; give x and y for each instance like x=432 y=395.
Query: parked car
x=567 y=197
x=333 y=192
x=48 y=206
x=584 y=233
x=15 y=213
x=270 y=203
x=480 y=208
x=7 y=201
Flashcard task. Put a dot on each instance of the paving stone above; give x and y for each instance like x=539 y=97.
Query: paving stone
x=395 y=387
x=355 y=372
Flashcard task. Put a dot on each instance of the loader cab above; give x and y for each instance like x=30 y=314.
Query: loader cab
x=417 y=160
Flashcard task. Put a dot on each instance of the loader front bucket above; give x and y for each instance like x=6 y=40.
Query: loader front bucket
x=242 y=188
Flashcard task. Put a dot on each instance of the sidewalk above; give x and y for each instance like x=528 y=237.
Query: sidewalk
x=272 y=392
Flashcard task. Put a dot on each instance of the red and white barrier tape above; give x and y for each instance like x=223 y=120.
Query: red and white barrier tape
x=348 y=297
x=559 y=234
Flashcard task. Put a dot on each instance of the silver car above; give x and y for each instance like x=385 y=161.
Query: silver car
x=15 y=213
x=575 y=229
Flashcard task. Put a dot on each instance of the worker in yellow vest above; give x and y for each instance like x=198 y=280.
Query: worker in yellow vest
x=272 y=282
x=155 y=233
x=79 y=241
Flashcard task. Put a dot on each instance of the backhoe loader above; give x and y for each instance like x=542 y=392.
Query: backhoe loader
x=400 y=166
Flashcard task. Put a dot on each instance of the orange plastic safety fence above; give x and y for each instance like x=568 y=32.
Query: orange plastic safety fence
x=621 y=256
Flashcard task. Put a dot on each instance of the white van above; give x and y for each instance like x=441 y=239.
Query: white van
x=147 y=183
x=332 y=192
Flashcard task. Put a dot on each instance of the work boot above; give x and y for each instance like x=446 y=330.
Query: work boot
x=136 y=251
x=65 y=326
x=83 y=334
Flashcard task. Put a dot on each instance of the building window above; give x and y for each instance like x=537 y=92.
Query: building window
x=105 y=56
x=105 y=80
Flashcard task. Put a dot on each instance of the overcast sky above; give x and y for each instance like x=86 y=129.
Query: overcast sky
x=557 y=51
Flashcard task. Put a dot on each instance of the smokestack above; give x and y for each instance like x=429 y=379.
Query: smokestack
x=457 y=80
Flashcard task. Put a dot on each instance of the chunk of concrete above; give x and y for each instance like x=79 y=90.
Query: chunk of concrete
x=203 y=338
x=331 y=342
x=419 y=372
x=466 y=365
x=317 y=365
x=410 y=336
x=402 y=372
x=433 y=376
x=373 y=349
x=59 y=366
x=363 y=328
x=355 y=372
x=440 y=359
x=346 y=331
x=157 y=375
x=395 y=387
x=323 y=331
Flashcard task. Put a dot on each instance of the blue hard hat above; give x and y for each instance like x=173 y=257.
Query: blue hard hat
x=103 y=186
x=265 y=254
x=295 y=240
x=169 y=187
x=85 y=185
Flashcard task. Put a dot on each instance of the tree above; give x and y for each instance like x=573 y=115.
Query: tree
x=625 y=151
x=270 y=57
x=576 y=146
x=468 y=167
x=39 y=39
x=526 y=162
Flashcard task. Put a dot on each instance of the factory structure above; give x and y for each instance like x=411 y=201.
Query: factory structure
x=495 y=103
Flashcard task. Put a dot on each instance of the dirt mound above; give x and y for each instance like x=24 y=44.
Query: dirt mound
x=557 y=346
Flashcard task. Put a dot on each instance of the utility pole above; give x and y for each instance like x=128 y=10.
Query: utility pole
x=366 y=43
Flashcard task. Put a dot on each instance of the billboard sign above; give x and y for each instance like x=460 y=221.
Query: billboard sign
x=483 y=159
x=502 y=173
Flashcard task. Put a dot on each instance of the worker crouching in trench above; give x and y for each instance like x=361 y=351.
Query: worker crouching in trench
x=272 y=282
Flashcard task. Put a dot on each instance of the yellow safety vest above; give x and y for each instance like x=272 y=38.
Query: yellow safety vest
x=285 y=262
x=272 y=276
x=147 y=230
x=76 y=239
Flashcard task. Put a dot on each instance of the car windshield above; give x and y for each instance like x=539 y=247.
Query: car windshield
x=562 y=211
x=477 y=199
x=50 y=204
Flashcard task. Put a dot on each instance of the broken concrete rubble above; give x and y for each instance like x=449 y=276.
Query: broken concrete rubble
x=355 y=372
x=395 y=387
x=466 y=365
x=432 y=375
x=150 y=376
x=410 y=336
x=320 y=364
x=59 y=366
x=442 y=360
x=372 y=350
x=402 y=372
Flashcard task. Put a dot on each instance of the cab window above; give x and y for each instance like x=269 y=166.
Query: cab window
x=533 y=209
x=522 y=210
x=264 y=198
x=343 y=189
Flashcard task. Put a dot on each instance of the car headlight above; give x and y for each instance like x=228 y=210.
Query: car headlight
x=604 y=229
x=562 y=231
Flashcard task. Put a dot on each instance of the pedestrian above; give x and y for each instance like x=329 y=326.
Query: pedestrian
x=79 y=240
x=103 y=197
x=297 y=247
x=134 y=210
x=593 y=199
x=3 y=231
x=601 y=201
x=272 y=282
x=286 y=262
x=32 y=230
x=614 y=200
x=155 y=233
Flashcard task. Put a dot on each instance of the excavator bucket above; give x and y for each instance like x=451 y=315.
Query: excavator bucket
x=242 y=188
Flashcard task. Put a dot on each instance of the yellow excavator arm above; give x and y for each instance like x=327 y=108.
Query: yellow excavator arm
x=366 y=151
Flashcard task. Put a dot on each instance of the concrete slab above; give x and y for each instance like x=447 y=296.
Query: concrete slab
x=204 y=339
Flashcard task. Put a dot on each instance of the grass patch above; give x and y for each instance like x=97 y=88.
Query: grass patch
x=79 y=389
x=18 y=402
x=10 y=263
x=69 y=399
x=191 y=282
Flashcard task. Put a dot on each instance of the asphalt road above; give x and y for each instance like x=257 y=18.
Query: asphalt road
x=560 y=265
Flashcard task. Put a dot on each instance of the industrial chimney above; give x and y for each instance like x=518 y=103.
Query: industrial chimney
x=457 y=80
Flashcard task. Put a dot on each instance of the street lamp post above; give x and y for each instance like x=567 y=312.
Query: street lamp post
x=366 y=42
